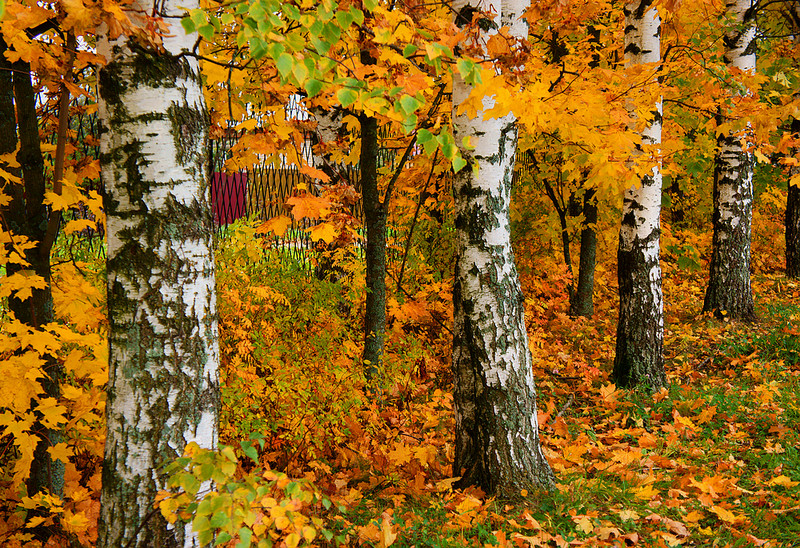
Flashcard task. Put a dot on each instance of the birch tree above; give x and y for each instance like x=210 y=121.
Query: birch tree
x=163 y=389
x=640 y=330
x=729 y=291
x=497 y=443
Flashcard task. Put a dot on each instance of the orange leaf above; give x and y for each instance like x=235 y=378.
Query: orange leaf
x=387 y=535
x=309 y=206
x=325 y=232
x=315 y=173
x=276 y=225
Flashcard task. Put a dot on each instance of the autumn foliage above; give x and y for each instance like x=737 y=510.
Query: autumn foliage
x=316 y=455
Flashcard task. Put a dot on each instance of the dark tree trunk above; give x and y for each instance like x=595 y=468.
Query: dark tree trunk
x=581 y=300
x=792 y=221
x=677 y=211
x=28 y=215
x=375 y=220
x=793 y=232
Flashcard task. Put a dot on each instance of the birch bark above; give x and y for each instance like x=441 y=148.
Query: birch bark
x=497 y=443
x=640 y=330
x=163 y=389
x=729 y=292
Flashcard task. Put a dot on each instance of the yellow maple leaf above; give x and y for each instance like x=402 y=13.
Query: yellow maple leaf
x=70 y=195
x=584 y=524
x=724 y=514
x=783 y=481
x=325 y=232
x=77 y=225
x=60 y=451
x=276 y=225
x=78 y=15
x=645 y=492
x=401 y=454
x=314 y=173
x=52 y=413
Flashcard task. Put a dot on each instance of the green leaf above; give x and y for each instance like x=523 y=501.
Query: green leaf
x=331 y=32
x=200 y=523
x=2 y=7
x=284 y=64
x=346 y=97
x=296 y=41
x=428 y=141
x=207 y=31
x=198 y=16
x=258 y=48
x=409 y=104
x=300 y=73
x=227 y=18
x=275 y=49
x=458 y=163
x=187 y=23
x=250 y=451
x=245 y=534
x=345 y=18
x=371 y=4
x=223 y=537
x=189 y=483
x=409 y=50
x=312 y=87
x=291 y=11
x=469 y=71
x=220 y=519
x=358 y=15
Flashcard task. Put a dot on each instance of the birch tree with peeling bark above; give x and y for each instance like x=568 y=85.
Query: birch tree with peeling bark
x=163 y=389
x=640 y=329
x=729 y=291
x=497 y=443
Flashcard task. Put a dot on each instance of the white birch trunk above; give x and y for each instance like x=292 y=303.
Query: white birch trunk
x=163 y=389
x=497 y=443
x=729 y=291
x=640 y=330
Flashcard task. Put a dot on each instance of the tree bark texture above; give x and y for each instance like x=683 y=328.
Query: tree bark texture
x=497 y=443
x=793 y=232
x=26 y=215
x=792 y=220
x=375 y=215
x=640 y=330
x=163 y=390
x=581 y=299
x=729 y=292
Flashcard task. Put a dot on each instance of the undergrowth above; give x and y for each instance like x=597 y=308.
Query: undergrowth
x=712 y=461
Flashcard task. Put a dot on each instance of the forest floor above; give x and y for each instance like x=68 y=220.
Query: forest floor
x=712 y=461
x=315 y=457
